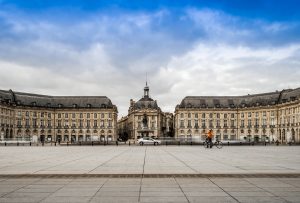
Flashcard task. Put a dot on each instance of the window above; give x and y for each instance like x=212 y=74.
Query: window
x=249 y=115
x=232 y=123
x=110 y=123
x=34 y=114
x=80 y=123
x=95 y=123
x=59 y=115
x=49 y=123
x=88 y=115
x=66 y=115
x=218 y=123
x=189 y=115
x=34 y=122
x=256 y=114
x=232 y=115
x=27 y=113
x=42 y=123
x=27 y=122
x=272 y=113
x=19 y=122
x=249 y=123
x=264 y=114
x=218 y=115
x=203 y=115
x=196 y=124
x=19 y=113
x=196 y=115
x=102 y=123
x=225 y=115
x=109 y=115
x=203 y=123
x=102 y=115
x=242 y=123
x=225 y=123
x=81 y=115
x=49 y=115
x=181 y=115
x=210 y=123
x=189 y=124
x=182 y=123
x=73 y=115
x=242 y=115
x=210 y=115
x=88 y=123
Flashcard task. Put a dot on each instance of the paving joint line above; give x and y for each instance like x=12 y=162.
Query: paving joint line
x=55 y=191
x=224 y=190
x=108 y=160
x=266 y=190
x=142 y=177
x=181 y=161
x=98 y=190
x=182 y=190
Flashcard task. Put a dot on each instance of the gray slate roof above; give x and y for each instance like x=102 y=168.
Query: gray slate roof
x=146 y=102
x=271 y=98
x=28 y=99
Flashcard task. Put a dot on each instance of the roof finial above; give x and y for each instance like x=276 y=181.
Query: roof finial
x=146 y=79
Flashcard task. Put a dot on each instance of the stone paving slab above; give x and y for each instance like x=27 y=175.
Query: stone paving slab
x=147 y=160
x=150 y=190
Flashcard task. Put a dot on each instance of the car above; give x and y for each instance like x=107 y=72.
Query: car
x=148 y=140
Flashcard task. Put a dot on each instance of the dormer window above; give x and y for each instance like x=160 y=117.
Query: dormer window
x=48 y=105
x=33 y=103
x=60 y=105
x=18 y=102
x=257 y=103
x=203 y=105
x=293 y=98
x=74 y=105
x=89 y=105
x=231 y=105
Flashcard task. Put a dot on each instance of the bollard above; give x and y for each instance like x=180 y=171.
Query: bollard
x=17 y=143
x=129 y=143
x=191 y=143
x=29 y=143
x=92 y=143
x=166 y=143
x=54 y=143
x=68 y=143
x=179 y=143
x=42 y=143
x=252 y=143
x=228 y=143
x=265 y=143
x=5 y=144
x=240 y=143
x=117 y=143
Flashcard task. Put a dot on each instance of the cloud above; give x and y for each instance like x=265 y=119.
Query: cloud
x=192 y=52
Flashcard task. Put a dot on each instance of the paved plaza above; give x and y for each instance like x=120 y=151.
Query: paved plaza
x=149 y=160
x=163 y=174
x=132 y=190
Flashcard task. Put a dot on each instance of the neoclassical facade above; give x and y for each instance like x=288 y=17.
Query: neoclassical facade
x=56 y=118
x=145 y=119
x=262 y=117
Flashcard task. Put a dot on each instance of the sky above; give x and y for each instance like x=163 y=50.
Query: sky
x=187 y=48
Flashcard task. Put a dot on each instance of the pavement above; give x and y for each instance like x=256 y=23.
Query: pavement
x=131 y=190
x=149 y=174
x=143 y=160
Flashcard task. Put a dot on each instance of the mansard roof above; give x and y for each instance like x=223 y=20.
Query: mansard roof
x=264 y=99
x=146 y=102
x=37 y=100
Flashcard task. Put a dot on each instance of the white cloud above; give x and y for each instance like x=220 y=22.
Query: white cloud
x=109 y=55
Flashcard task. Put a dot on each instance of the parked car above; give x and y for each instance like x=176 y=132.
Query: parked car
x=148 y=140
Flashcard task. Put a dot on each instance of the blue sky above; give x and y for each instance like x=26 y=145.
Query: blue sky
x=77 y=47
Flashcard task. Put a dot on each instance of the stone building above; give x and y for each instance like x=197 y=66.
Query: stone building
x=260 y=117
x=62 y=118
x=145 y=119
